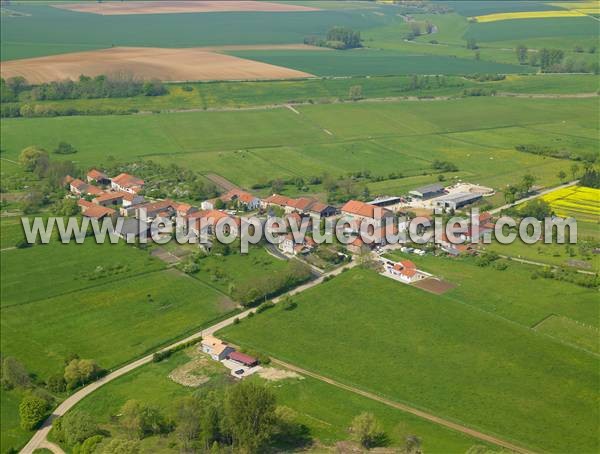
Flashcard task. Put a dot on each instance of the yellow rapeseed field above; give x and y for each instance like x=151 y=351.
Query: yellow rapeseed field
x=575 y=201
x=528 y=15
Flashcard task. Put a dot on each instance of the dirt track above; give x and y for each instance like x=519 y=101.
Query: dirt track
x=178 y=7
x=146 y=63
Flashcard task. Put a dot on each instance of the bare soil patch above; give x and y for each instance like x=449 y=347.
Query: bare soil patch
x=178 y=7
x=274 y=374
x=434 y=285
x=146 y=63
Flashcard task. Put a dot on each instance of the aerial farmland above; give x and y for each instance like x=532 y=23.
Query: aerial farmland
x=300 y=226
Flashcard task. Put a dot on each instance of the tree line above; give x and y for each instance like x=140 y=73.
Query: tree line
x=121 y=85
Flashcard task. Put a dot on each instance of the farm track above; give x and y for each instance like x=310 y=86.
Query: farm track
x=221 y=182
x=39 y=439
x=407 y=409
x=291 y=106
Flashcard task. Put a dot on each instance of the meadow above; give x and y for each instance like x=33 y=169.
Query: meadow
x=377 y=136
x=367 y=62
x=445 y=356
x=227 y=95
x=325 y=410
x=74 y=267
x=111 y=323
x=510 y=293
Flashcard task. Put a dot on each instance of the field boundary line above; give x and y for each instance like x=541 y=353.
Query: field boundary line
x=408 y=409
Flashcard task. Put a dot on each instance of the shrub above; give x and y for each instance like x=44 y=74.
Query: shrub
x=32 y=411
x=264 y=306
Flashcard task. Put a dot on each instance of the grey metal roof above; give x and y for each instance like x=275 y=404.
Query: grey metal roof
x=435 y=187
x=460 y=197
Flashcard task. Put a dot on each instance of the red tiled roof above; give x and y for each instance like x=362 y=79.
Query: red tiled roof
x=356 y=207
x=96 y=175
x=110 y=196
x=242 y=358
x=277 y=199
x=127 y=181
x=213 y=216
x=407 y=264
x=78 y=184
x=98 y=211
x=244 y=196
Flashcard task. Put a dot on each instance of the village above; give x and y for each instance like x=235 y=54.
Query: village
x=102 y=196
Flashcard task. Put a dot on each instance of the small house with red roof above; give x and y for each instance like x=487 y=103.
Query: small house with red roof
x=96 y=176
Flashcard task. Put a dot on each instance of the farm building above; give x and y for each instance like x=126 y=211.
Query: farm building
x=241 y=197
x=385 y=201
x=428 y=192
x=458 y=200
x=93 y=211
x=80 y=187
x=97 y=176
x=361 y=210
x=217 y=349
x=302 y=205
x=243 y=359
x=127 y=183
x=131 y=229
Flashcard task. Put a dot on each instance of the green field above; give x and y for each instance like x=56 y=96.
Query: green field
x=47 y=30
x=219 y=95
x=526 y=29
x=111 y=323
x=11 y=435
x=408 y=135
x=74 y=267
x=511 y=293
x=325 y=410
x=363 y=62
x=448 y=357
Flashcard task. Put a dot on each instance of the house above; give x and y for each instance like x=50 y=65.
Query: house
x=81 y=188
x=204 y=222
x=163 y=208
x=95 y=176
x=358 y=245
x=94 y=211
x=427 y=192
x=217 y=349
x=406 y=271
x=302 y=205
x=243 y=359
x=209 y=204
x=242 y=198
x=458 y=200
x=275 y=200
x=110 y=198
x=183 y=209
x=361 y=210
x=290 y=246
x=66 y=181
x=127 y=183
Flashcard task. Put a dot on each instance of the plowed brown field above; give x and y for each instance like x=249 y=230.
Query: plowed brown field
x=146 y=63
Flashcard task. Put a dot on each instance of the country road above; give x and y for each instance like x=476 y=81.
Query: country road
x=534 y=196
x=39 y=439
x=405 y=408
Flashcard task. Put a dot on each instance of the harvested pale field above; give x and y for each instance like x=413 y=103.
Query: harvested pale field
x=146 y=63
x=178 y=7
